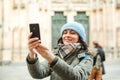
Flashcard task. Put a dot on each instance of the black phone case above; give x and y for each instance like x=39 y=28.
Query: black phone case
x=34 y=28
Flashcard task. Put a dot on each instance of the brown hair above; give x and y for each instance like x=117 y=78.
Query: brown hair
x=97 y=44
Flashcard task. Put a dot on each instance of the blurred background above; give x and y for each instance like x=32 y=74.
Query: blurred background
x=101 y=19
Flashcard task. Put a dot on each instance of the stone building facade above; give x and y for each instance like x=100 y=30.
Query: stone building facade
x=99 y=17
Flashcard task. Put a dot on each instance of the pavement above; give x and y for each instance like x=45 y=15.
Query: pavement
x=112 y=67
x=19 y=71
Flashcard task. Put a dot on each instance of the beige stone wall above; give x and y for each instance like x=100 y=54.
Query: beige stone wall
x=104 y=20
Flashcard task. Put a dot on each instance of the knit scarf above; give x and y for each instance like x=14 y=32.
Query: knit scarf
x=64 y=50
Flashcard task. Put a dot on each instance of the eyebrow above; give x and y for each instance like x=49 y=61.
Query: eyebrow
x=69 y=29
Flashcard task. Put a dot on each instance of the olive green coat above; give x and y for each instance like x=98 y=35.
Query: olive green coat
x=71 y=68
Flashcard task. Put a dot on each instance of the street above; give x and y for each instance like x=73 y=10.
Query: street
x=112 y=68
x=18 y=71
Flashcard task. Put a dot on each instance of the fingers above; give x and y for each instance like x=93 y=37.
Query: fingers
x=32 y=42
x=30 y=35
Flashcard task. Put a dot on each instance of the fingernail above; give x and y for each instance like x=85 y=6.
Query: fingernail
x=36 y=38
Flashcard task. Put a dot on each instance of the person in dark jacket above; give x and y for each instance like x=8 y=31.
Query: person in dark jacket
x=70 y=60
x=98 y=65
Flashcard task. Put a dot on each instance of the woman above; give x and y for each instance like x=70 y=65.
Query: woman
x=98 y=66
x=69 y=61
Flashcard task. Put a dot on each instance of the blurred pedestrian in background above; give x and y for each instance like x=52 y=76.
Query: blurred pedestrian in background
x=98 y=66
x=70 y=60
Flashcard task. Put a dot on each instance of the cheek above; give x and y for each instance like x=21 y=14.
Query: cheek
x=62 y=37
x=76 y=38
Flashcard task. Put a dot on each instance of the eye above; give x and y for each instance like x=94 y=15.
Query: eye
x=73 y=32
x=65 y=32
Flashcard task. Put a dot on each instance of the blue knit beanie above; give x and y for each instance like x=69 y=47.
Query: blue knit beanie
x=77 y=27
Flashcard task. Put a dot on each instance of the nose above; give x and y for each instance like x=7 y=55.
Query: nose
x=67 y=34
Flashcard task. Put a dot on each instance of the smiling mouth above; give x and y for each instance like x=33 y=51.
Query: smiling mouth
x=67 y=40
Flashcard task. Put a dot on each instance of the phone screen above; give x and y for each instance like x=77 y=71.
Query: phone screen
x=34 y=28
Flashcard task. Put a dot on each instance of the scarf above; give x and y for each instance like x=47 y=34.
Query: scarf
x=65 y=50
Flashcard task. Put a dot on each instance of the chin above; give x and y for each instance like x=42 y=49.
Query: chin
x=66 y=43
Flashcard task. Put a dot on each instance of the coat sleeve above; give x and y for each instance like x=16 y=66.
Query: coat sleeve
x=38 y=69
x=98 y=63
x=67 y=72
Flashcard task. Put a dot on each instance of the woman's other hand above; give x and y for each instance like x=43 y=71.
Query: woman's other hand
x=45 y=53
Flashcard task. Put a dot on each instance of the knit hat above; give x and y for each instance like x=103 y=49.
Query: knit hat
x=77 y=27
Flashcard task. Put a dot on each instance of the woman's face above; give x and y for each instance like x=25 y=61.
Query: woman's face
x=70 y=36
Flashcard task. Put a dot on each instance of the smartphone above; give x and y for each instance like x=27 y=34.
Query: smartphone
x=34 y=28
